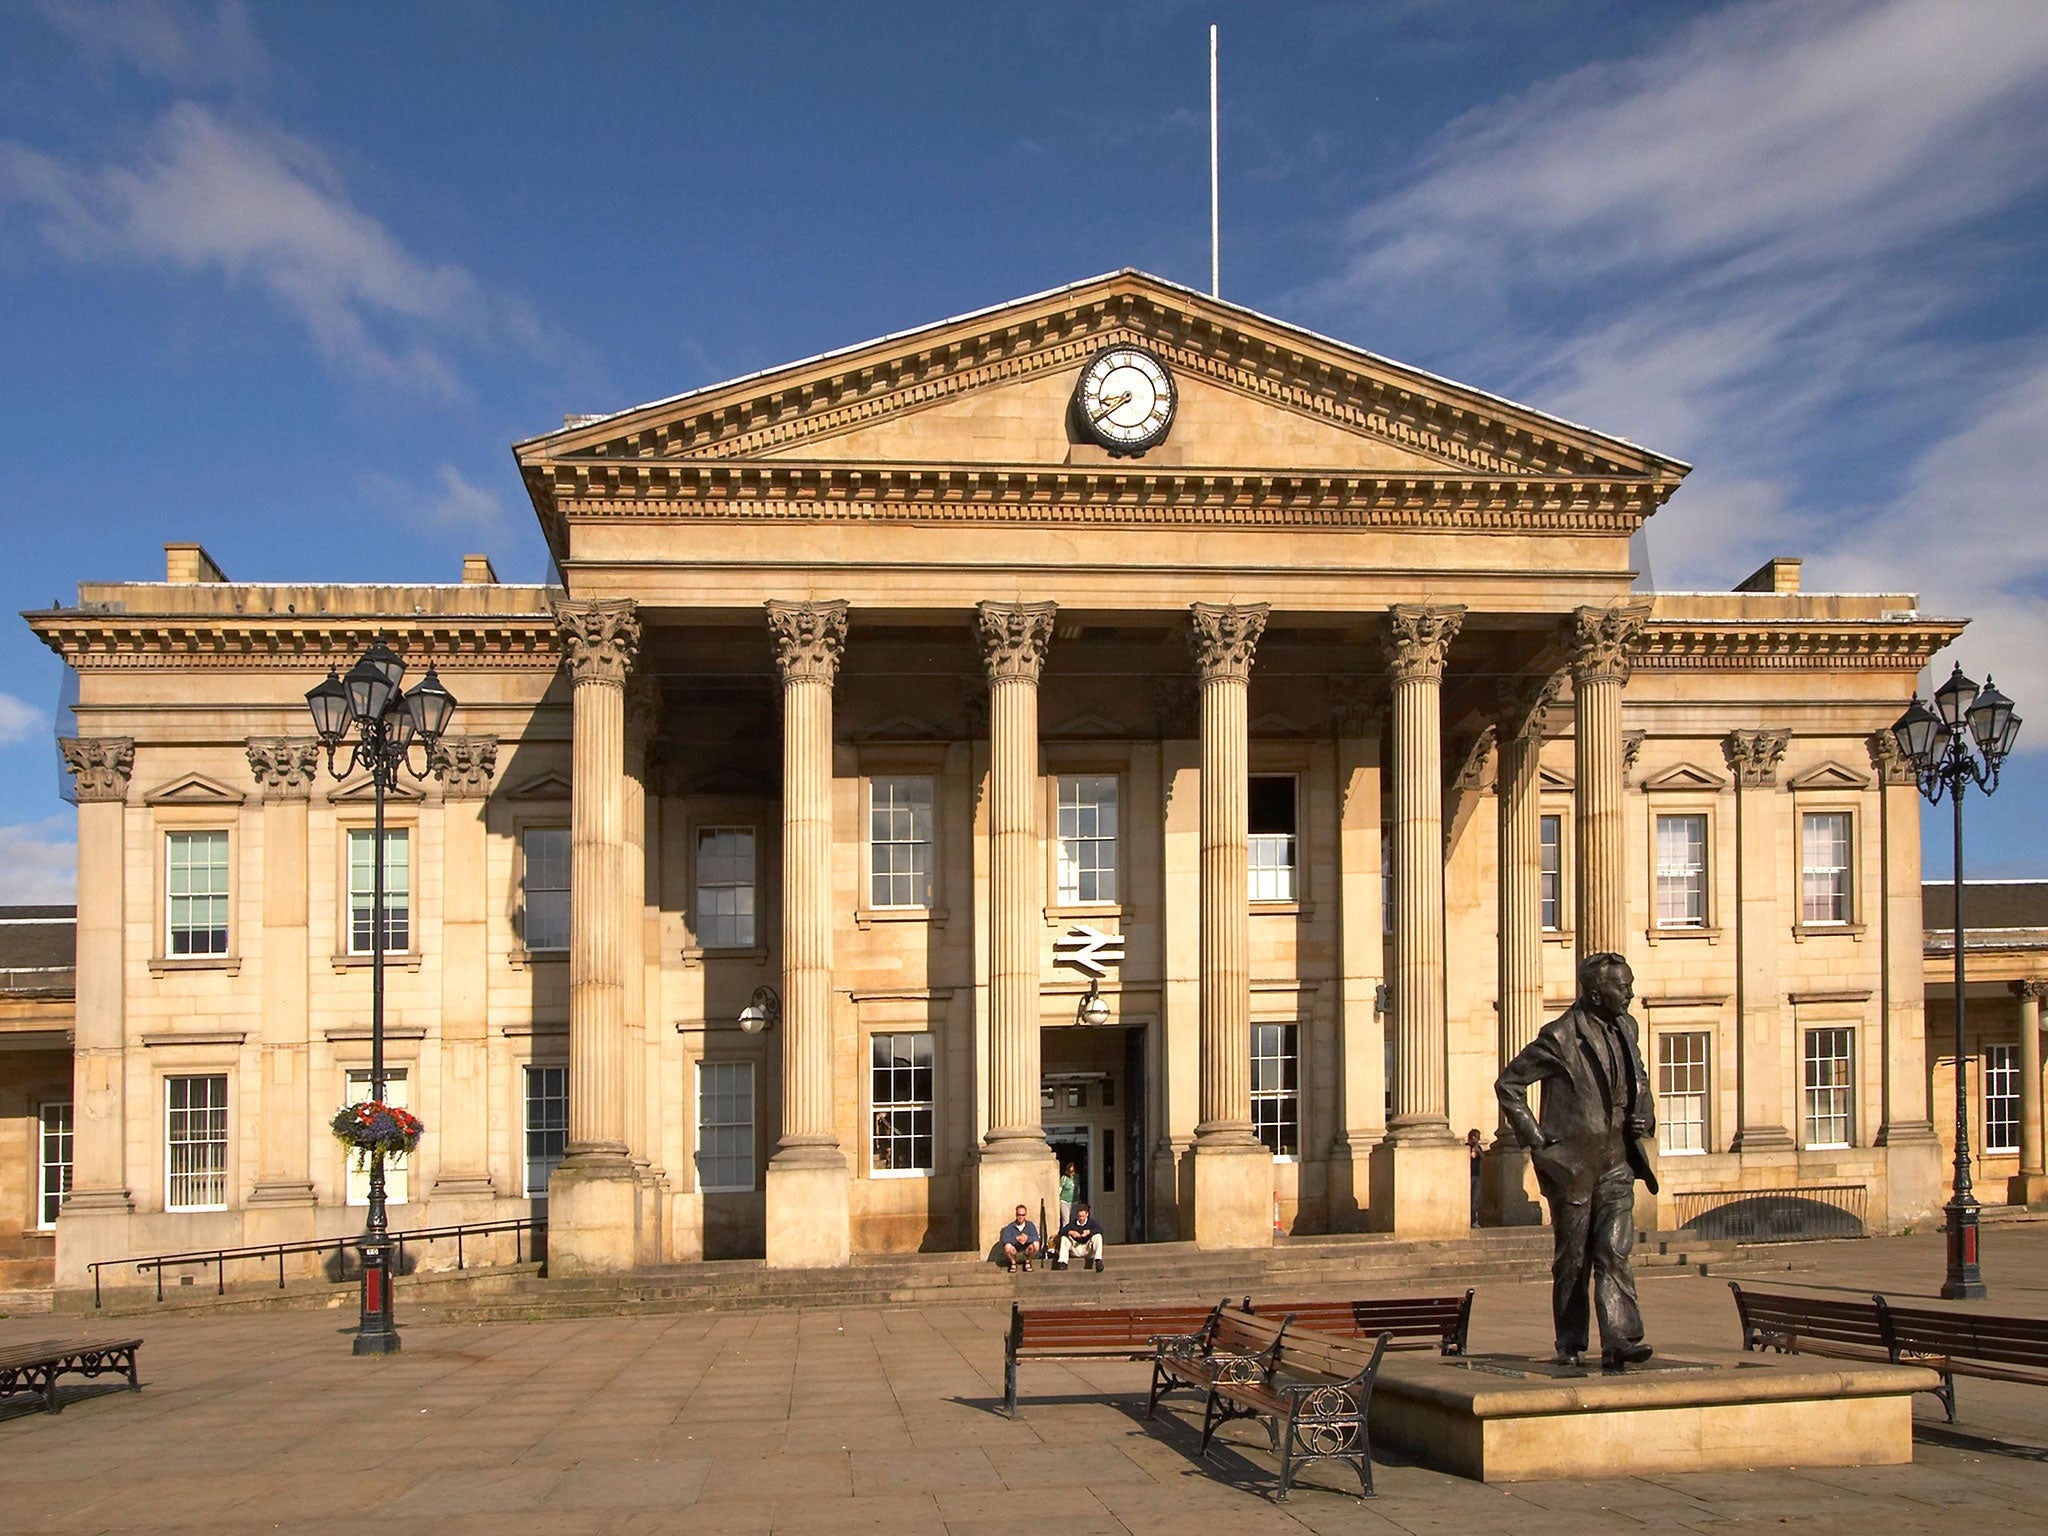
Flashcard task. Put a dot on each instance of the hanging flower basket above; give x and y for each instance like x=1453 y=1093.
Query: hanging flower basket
x=372 y=1127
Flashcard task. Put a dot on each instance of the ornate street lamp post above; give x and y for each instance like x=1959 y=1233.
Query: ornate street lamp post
x=1961 y=740
x=386 y=721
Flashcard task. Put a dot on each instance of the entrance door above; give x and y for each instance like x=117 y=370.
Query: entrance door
x=1073 y=1144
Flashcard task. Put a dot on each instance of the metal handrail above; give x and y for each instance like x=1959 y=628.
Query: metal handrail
x=218 y=1257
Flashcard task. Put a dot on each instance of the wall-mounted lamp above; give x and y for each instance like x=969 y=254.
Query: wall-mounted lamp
x=1094 y=1009
x=762 y=1013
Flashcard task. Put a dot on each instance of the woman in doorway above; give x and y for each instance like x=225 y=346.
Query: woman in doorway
x=1068 y=1189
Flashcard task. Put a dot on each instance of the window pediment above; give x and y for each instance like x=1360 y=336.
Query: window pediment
x=1830 y=775
x=364 y=792
x=1686 y=776
x=545 y=786
x=195 y=789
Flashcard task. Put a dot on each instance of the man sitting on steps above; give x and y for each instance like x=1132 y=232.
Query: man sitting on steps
x=1080 y=1235
x=1020 y=1240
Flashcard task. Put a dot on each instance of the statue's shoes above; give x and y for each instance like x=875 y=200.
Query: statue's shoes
x=1626 y=1354
x=1567 y=1357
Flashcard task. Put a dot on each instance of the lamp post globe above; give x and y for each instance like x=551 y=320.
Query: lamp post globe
x=386 y=724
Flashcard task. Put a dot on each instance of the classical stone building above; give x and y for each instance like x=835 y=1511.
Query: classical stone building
x=1113 y=728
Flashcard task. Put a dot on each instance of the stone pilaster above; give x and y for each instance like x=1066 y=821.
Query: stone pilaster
x=1914 y=1162
x=591 y=1198
x=93 y=1224
x=1522 y=711
x=2030 y=1185
x=1601 y=644
x=465 y=767
x=809 y=1221
x=1763 y=1030
x=643 y=702
x=280 y=1205
x=1016 y=1166
x=1361 y=1043
x=1233 y=1168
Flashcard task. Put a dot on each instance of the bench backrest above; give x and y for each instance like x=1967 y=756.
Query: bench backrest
x=1965 y=1335
x=1305 y=1352
x=1083 y=1327
x=1829 y=1320
x=1443 y=1320
x=1247 y=1333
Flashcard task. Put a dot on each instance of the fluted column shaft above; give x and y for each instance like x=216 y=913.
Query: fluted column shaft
x=602 y=639
x=809 y=638
x=1418 y=641
x=1224 y=638
x=1518 y=805
x=1602 y=644
x=640 y=704
x=2029 y=994
x=1014 y=638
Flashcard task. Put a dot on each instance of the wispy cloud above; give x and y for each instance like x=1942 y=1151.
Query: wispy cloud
x=39 y=861
x=19 y=721
x=1751 y=247
x=184 y=45
x=451 y=502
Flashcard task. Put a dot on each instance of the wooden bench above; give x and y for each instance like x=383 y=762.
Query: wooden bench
x=1095 y=1333
x=1412 y=1322
x=35 y=1367
x=1956 y=1344
x=1233 y=1341
x=1831 y=1326
x=1313 y=1390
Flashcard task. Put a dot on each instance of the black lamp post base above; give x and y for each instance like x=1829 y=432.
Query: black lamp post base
x=1965 y=1282
x=377 y=1343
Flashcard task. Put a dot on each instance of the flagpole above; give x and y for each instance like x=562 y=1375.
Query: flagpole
x=1215 y=202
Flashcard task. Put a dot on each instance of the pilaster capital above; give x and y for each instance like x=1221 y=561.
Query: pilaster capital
x=285 y=766
x=808 y=638
x=1358 y=705
x=1754 y=756
x=99 y=765
x=465 y=765
x=1418 y=640
x=603 y=638
x=1522 y=706
x=1892 y=765
x=1631 y=749
x=2034 y=987
x=643 y=711
x=1176 y=706
x=1223 y=636
x=1465 y=769
x=1014 y=639
x=1601 y=644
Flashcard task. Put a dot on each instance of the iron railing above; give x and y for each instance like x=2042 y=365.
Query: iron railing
x=338 y=1246
x=1795 y=1214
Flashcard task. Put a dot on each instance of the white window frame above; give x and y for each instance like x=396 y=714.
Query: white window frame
x=701 y=915
x=1277 y=1044
x=174 y=837
x=54 y=1134
x=1661 y=869
x=397 y=1181
x=1843 y=875
x=401 y=836
x=1550 y=872
x=528 y=890
x=923 y=871
x=729 y=1074
x=924 y=1045
x=1839 y=1103
x=171 y=1142
x=545 y=1075
x=1674 y=1098
x=1082 y=850
x=2002 y=1084
x=1275 y=855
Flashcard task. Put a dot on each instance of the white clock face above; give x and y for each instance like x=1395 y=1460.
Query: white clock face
x=1126 y=399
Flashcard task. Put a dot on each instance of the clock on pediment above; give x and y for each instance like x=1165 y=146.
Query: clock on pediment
x=1125 y=400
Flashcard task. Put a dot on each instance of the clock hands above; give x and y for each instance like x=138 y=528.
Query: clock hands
x=1110 y=404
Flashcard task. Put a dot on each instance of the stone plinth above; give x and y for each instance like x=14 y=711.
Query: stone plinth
x=1500 y=1418
x=1422 y=1189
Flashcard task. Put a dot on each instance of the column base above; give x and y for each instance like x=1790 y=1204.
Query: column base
x=294 y=1193
x=1009 y=1174
x=591 y=1209
x=93 y=1228
x=809 y=1209
x=1233 y=1194
x=1422 y=1188
x=1508 y=1196
x=465 y=1186
x=1763 y=1138
x=1350 y=1187
x=2027 y=1189
x=1916 y=1173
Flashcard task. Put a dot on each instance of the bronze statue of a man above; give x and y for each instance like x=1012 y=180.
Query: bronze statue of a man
x=1596 y=1111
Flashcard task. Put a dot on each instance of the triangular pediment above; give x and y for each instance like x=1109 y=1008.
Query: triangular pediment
x=1685 y=776
x=995 y=387
x=364 y=792
x=1554 y=781
x=194 y=789
x=543 y=786
x=899 y=728
x=1830 y=775
x=1087 y=723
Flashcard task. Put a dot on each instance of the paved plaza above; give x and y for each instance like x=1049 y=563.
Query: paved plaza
x=889 y=1419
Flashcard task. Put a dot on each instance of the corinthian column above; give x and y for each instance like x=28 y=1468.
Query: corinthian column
x=1233 y=1168
x=1420 y=1170
x=1521 y=714
x=2030 y=1185
x=1016 y=1167
x=591 y=1198
x=93 y=1223
x=1602 y=645
x=280 y=1206
x=1763 y=1031
x=809 y=1221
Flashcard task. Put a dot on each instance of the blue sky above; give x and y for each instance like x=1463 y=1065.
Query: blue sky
x=290 y=279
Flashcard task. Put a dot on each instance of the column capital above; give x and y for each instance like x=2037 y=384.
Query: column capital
x=1418 y=640
x=1223 y=636
x=1754 y=756
x=1014 y=639
x=643 y=712
x=1522 y=705
x=1601 y=644
x=1892 y=765
x=603 y=638
x=2034 y=987
x=1358 y=705
x=284 y=766
x=465 y=766
x=100 y=765
x=808 y=638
